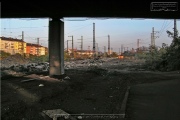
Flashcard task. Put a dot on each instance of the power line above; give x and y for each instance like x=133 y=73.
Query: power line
x=29 y=36
x=95 y=37
x=145 y=42
x=36 y=37
x=23 y=27
x=169 y=26
x=19 y=28
x=129 y=43
x=164 y=28
x=78 y=26
x=78 y=29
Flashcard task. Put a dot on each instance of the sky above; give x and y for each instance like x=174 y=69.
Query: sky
x=122 y=31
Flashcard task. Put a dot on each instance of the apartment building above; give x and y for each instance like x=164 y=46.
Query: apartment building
x=35 y=49
x=12 y=45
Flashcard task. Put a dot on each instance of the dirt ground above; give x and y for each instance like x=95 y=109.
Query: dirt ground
x=97 y=90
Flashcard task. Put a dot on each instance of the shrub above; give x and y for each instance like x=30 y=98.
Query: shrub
x=169 y=57
x=4 y=54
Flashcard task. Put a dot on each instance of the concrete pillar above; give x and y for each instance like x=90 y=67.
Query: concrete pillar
x=56 y=47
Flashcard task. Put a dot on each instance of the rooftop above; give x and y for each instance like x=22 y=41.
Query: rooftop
x=11 y=39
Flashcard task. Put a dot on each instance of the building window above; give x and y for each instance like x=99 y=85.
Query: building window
x=6 y=45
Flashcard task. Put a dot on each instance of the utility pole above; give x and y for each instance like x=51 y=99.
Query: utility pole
x=108 y=44
x=89 y=49
x=111 y=50
x=121 y=49
x=81 y=44
x=22 y=35
x=153 y=37
x=37 y=46
x=94 y=40
x=97 y=49
x=67 y=46
x=104 y=51
x=138 y=45
x=175 y=29
x=153 y=40
x=72 y=46
x=22 y=43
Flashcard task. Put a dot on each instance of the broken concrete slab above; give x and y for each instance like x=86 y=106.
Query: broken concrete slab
x=67 y=78
x=58 y=113
x=41 y=85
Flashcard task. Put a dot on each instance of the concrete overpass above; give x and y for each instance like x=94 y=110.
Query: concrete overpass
x=77 y=8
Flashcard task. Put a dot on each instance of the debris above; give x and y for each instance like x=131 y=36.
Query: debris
x=67 y=78
x=58 y=113
x=11 y=72
x=27 y=80
x=43 y=77
x=13 y=60
x=41 y=85
x=79 y=117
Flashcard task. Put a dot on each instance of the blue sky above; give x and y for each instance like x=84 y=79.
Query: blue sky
x=121 y=31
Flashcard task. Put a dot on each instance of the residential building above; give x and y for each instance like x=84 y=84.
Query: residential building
x=35 y=49
x=12 y=45
x=46 y=50
x=31 y=49
x=42 y=50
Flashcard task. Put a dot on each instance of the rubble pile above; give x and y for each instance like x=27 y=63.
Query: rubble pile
x=11 y=73
x=83 y=63
x=95 y=66
x=30 y=67
x=13 y=60
x=21 y=65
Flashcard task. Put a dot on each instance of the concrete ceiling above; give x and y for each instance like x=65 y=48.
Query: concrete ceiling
x=82 y=8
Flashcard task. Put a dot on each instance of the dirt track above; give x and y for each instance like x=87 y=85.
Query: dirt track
x=98 y=90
